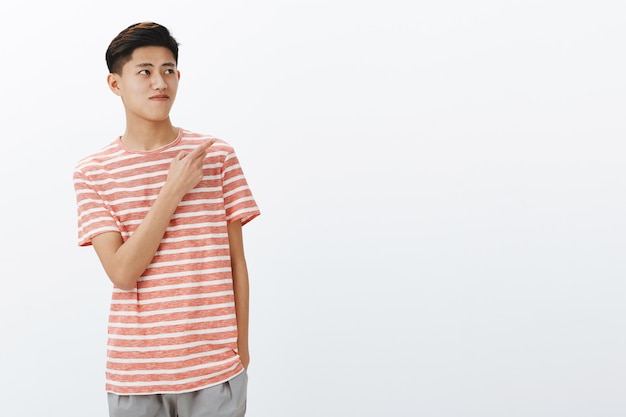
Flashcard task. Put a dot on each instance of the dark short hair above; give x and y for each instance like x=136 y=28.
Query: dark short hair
x=138 y=35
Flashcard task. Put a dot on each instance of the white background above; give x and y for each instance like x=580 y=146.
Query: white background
x=441 y=186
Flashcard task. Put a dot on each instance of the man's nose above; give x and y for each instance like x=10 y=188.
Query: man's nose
x=158 y=82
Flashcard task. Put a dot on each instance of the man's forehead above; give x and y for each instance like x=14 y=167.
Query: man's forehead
x=154 y=55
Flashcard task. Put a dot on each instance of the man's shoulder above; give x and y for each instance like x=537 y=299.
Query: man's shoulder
x=196 y=138
x=98 y=157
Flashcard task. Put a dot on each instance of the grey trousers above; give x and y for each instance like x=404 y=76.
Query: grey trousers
x=224 y=400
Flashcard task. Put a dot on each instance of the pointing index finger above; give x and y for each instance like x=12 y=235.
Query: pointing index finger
x=200 y=149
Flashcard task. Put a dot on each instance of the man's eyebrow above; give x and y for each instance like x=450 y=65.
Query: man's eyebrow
x=147 y=64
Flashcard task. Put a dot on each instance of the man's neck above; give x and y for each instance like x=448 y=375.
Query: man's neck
x=150 y=136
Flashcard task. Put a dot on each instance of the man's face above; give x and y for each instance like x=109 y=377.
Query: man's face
x=148 y=84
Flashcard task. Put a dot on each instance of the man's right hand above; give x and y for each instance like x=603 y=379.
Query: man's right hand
x=186 y=168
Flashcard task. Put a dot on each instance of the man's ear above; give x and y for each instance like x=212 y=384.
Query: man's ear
x=113 y=83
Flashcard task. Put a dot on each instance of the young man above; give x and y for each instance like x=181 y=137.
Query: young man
x=163 y=208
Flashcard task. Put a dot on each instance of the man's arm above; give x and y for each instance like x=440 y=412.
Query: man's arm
x=241 y=288
x=124 y=262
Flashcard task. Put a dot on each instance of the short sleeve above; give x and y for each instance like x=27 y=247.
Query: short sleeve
x=238 y=199
x=93 y=215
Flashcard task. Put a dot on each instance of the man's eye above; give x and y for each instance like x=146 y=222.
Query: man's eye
x=169 y=71
x=144 y=72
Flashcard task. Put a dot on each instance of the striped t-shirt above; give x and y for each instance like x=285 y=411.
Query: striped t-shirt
x=177 y=330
